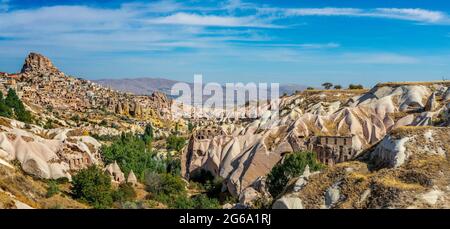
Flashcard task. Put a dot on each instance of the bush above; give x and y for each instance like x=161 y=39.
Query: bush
x=355 y=86
x=75 y=118
x=103 y=123
x=164 y=184
x=204 y=202
x=91 y=185
x=176 y=143
x=52 y=188
x=190 y=127
x=48 y=124
x=12 y=104
x=293 y=166
x=173 y=165
x=124 y=193
x=5 y=110
x=131 y=153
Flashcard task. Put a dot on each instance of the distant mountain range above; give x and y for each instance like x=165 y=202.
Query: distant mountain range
x=147 y=85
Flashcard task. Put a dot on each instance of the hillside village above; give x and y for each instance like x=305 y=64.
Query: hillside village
x=353 y=147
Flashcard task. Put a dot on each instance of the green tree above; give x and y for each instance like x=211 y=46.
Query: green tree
x=124 y=193
x=327 y=85
x=294 y=164
x=131 y=153
x=202 y=201
x=337 y=87
x=148 y=136
x=5 y=110
x=13 y=101
x=52 y=188
x=164 y=184
x=174 y=142
x=91 y=185
x=190 y=127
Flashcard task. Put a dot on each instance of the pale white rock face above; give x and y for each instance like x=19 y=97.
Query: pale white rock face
x=41 y=157
x=288 y=202
x=391 y=152
x=405 y=121
x=21 y=205
x=248 y=196
x=447 y=94
x=5 y=163
x=332 y=196
x=432 y=196
x=414 y=96
x=252 y=149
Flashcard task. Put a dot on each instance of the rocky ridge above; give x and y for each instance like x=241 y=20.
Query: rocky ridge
x=340 y=125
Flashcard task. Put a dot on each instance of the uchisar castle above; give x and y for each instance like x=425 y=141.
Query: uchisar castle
x=387 y=147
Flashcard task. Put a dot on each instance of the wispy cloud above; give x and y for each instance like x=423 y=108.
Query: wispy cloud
x=305 y=45
x=212 y=20
x=418 y=15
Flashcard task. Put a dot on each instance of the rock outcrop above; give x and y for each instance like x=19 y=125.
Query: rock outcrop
x=53 y=156
x=379 y=179
x=338 y=126
x=37 y=63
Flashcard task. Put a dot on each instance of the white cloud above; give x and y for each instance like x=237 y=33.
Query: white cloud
x=305 y=45
x=211 y=20
x=418 y=15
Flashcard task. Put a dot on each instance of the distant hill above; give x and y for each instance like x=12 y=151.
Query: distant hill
x=147 y=85
x=139 y=86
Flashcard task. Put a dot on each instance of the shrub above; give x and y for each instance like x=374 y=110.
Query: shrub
x=293 y=166
x=204 y=202
x=75 y=118
x=174 y=142
x=91 y=185
x=131 y=153
x=5 y=110
x=103 y=123
x=62 y=180
x=355 y=86
x=52 y=188
x=164 y=184
x=124 y=193
x=201 y=176
x=48 y=124
x=13 y=102
x=173 y=165
x=190 y=127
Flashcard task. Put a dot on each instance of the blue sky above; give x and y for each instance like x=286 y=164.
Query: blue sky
x=304 y=41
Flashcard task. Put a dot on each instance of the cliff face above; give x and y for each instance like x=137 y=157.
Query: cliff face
x=338 y=125
x=408 y=169
x=37 y=63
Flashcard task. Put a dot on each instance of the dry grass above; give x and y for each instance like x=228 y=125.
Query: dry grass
x=392 y=182
x=5 y=122
x=32 y=191
x=6 y=201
